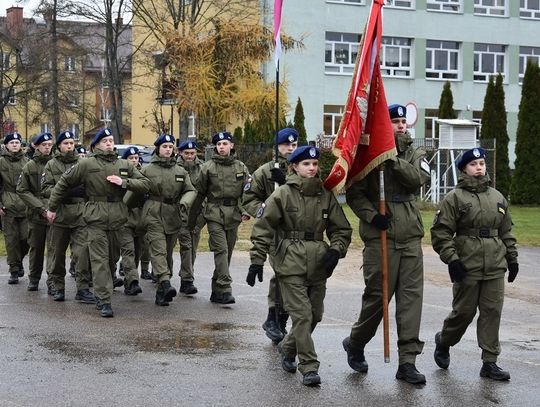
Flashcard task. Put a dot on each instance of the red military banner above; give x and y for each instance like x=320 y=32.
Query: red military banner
x=365 y=137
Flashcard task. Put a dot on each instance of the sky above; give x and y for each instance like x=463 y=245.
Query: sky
x=28 y=6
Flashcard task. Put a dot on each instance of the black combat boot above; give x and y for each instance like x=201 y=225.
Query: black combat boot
x=99 y=304
x=20 y=273
x=50 y=290
x=33 y=285
x=59 y=295
x=288 y=364
x=283 y=318
x=442 y=353
x=133 y=289
x=187 y=287
x=106 y=311
x=145 y=275
x=117 y=282
x=311 y=379
x=408 y=372
x=355 y=358
x=13 y=278
x=491 y=370
x=85 y=296
x=271 y=327
x=222 y=298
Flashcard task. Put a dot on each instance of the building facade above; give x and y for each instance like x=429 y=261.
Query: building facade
x=425 y=44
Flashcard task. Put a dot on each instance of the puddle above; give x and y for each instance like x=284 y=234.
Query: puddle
x=81 y=352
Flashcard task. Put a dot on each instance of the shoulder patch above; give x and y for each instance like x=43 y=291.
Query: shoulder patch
x=260 y=212
x=247 y=187
x=425 y=166
x=124 y=172
x=501 y=208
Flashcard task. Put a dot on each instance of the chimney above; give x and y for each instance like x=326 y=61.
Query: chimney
x=14 y=19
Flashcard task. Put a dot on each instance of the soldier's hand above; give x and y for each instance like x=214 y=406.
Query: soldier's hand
x=330 y=259
x=457 y=271
x=115 y=179
x=380 y=221
x=2 y=211
x=51 y=216
x=245 y=218
x=277 y=176
x=255 y=270
x=513 y=270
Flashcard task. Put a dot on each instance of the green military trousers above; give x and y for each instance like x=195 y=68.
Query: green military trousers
x=161 y=250
x=16 y=240
x=60 y=240
x=304 y=303
x=488 y=297
x=221 y=241
x=38 y=238
x=122 y=244
x=189 y=241
x=406 y=282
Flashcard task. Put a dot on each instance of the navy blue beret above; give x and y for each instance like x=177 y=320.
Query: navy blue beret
x=132 y=150
x=187 y=145
x=99 y=135
x=164 y=138
x=221 y=136
x=65 y=135
x=11 y=137
x=81 y=150
x=42 y=137
x=470 y=155
x=287 y=135
x=304 y=153
x=396 y=111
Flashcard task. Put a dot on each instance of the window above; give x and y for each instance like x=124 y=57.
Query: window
x=347 y=1
x=529 y=9
x=494 y=8
x=105 y=114
x=74 y=128
x=477 y=117
x=332 y=119
x=8 y=96
x=430 y=121
x=340 y=53
x=396 y=57
x=452 y=6
x=45 y=128
x=5 y=61
x=526 y=55
x=69 y=64
x=45 y=100
x=442 y=59
x=400 y=4
x=488 y=60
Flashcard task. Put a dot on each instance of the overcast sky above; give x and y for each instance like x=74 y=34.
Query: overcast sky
x=28 y=5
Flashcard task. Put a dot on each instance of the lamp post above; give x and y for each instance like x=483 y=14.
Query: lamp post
x=171 y=103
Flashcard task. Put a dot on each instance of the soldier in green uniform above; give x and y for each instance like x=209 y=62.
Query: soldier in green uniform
x=106 y=179
x=189 y=239
x=68 y=227
x=29 y=189
x=260 y=187
x=166 y=209
x=299 y=213
x=403 y=177
x=472 y=232
x=12 y=209
x=221 y=182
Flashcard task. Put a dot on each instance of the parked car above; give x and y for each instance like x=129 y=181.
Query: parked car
x=145 y=151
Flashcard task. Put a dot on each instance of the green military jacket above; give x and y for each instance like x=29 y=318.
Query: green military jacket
x=260 y=186
x=29 y=188
x=194 y=169
x=170 y=196
x=221 y=182
x=299 y=212
x=11 y=165
x=105 y=207
x=474 y=225
x=403 y=177
x=70 y=211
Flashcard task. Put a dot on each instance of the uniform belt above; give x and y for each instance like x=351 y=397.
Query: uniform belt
x=8 y=189
x=481 y=232
x=297 y=235
x=225 y=201
x=71 y=201
x=104 y=198
x=163 y=199
x=403 y=197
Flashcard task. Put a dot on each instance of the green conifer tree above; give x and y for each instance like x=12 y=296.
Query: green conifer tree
x=446 y=104
x=502 y=164
x=237 y=135
x=525 y=188
x=299 y=120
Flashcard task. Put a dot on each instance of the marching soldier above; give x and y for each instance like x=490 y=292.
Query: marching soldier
x=403 y=177
x=12 y=208
x=472 y=232
x=169 y=200
x=299 y=213
x=106 y=179
x=189 y=240
x=68 y=227
x=221 y=183
x=260 y=188
x=29 y=189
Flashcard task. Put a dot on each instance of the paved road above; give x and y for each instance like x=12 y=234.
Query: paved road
x=198 y=353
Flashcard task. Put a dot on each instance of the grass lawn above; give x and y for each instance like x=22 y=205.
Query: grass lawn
x=526 y=229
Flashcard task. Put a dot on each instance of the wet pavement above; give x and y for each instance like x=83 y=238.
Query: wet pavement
x=198 y=353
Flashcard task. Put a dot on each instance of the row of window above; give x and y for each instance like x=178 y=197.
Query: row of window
x=529 y=9
x=443 y=58
x=73 y=127
x=70 y=64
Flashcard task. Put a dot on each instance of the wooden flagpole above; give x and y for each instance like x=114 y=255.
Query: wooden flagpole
x=384 y=268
